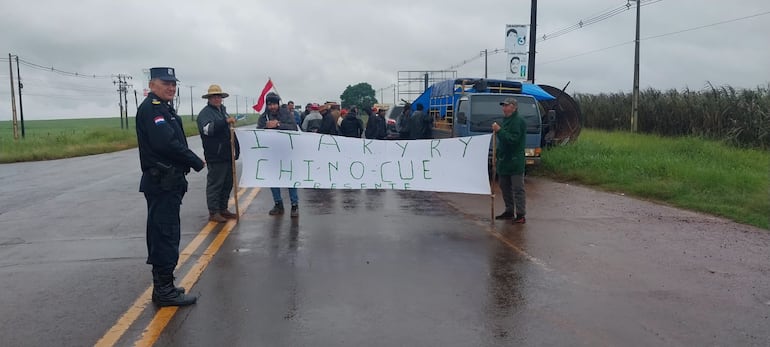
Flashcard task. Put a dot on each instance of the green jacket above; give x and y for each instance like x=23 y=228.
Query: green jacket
x=511 y=139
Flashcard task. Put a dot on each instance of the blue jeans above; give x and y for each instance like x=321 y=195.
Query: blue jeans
x=292 y=196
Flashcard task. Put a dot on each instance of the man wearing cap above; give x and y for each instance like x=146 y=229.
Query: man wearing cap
x=511 y=139
x=214 y=128
x=312 y=122
x=165 y=160
x=376 y=127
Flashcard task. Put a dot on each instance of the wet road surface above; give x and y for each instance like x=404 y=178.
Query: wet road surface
x=377 y=268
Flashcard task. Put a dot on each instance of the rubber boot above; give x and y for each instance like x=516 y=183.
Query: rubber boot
x=165 y=294
x=180 y=290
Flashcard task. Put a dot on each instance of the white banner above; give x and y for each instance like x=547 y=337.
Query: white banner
x=279 y=158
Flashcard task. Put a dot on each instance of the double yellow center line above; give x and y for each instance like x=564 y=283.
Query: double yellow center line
x=164 y=315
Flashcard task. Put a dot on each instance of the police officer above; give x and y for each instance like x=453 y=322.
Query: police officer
x=165 y=160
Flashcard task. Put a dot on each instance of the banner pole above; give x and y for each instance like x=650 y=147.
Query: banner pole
x=235 y=176
x=494 y=173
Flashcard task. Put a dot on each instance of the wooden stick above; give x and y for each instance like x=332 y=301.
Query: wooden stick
x=494 y=172
x=235 y=176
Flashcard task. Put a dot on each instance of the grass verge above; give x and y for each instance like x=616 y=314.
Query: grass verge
x=687 y=172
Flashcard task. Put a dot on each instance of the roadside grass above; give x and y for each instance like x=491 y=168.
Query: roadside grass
x=65 y=138
x=688 y=172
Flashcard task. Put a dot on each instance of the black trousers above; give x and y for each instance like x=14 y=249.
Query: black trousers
x=163 y=228
x=514 y=195
x=219 y=183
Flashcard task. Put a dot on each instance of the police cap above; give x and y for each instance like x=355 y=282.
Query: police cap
x=163 y=73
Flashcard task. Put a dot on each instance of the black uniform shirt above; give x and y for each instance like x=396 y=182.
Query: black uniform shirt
x=161 y=138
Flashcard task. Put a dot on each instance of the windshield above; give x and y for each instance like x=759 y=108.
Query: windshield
x=486 y=109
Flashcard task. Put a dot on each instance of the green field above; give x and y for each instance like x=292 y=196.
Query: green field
x=64 y=138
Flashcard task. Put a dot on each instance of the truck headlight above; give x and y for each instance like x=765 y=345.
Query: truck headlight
x=532 y=152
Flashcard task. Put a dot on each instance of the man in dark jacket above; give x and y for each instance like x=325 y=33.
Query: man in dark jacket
x=279 y=118
x=165 y=160
x=420 y=124
x=214 y=128
x=376 y=125
x=351 y=125
x=329 y=122
x=512 y=137
x=403 y=123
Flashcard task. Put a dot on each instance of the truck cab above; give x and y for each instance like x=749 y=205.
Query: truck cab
x=467 y=107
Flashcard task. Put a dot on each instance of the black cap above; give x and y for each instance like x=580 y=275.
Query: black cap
x=163 y=73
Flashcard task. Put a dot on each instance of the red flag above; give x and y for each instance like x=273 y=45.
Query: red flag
x=261 y=102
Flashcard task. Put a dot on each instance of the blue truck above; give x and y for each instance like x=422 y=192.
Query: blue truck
x=467 y=107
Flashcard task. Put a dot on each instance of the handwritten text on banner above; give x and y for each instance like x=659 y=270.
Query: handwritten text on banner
x=278 y=158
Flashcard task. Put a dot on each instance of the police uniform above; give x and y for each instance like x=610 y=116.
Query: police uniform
x=165 y=160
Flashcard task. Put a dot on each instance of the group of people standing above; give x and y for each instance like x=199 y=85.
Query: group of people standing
x=166 y=159
x=415 y=125
x=330 y=119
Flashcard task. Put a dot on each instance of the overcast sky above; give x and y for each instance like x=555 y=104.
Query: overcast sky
x=314 y=49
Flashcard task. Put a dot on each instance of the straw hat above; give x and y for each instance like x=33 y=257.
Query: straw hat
x=215 y=89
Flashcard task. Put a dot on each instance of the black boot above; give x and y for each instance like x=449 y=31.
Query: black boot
x=165 y=294
x=180 y=290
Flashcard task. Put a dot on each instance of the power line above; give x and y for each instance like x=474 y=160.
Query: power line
x=599 y=17
x=707 y=25
x=61 y=96
x=594 y=19
x=61 y=72
x=587 y=53
x=658 y=36
x=474 y=58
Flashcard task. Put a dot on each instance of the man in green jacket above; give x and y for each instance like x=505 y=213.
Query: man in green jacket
x=511 y=138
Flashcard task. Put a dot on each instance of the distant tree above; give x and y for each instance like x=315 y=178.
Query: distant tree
x=361 y=95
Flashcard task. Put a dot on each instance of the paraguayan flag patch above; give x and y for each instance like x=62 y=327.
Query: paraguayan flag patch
x=159 y=120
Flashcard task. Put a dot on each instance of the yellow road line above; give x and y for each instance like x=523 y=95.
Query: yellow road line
x=114 y=334
x=164 y=315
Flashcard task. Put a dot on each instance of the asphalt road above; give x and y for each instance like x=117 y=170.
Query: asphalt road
x=375 y=268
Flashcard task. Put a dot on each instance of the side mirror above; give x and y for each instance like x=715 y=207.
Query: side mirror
x=461 y=118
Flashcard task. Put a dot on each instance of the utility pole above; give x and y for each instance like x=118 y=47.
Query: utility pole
x=192 y=112
x=236 y=105
x=635 y=97
x=125 y=96
x=532 y=39
x=122 y=97
x=120 y=100
x=21 y=104
x=13 y=100
x=486 y=69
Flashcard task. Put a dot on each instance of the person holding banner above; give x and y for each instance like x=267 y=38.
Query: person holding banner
x=511 y=138
x=214 y=127
x=276 y=117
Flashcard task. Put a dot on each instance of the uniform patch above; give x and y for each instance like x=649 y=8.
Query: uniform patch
x=159 y=120
x=155 y=102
